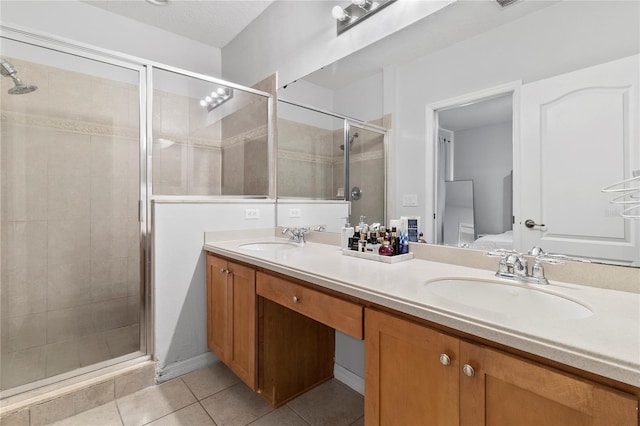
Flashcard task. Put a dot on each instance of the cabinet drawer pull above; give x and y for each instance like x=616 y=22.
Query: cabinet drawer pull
x=295 y=299
x=445 y=359
x=468 y=370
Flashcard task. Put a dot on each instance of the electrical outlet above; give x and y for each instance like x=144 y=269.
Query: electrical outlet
x=409 y=200
x=252 y=214
x=294 y=212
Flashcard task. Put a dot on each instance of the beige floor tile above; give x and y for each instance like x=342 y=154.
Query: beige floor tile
x=210 y=380
x=283 y=416
x=236 y=406
x=331 y=403
x=193 y=415
x=152 y=403
x=104 y=415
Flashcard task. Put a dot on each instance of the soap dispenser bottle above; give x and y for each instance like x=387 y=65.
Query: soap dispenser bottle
x=345 y=233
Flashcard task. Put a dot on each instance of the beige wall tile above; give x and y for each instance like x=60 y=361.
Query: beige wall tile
x=68 y=197
x=24 y=367
x=74 y=403
x=205 y=166
x=68 y=285
x=170 y=114
x=103 y=415
x=92 y=349
x=18 y=418
x=123 y=340
x=110 y=102
x=112 y=155
x=61 y=357
x=24 y=332
x=109 y=197
x=68 y=241
x=24 y=150
x=111 y=314
x=22 y=243
x=107 y=238
x=24 y=290
x=71 y=323
x=129 y=383
x=69 y=154
x=25 y=197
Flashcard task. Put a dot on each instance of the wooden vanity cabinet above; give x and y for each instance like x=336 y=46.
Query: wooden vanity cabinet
x=232 y=316
x=419 y=376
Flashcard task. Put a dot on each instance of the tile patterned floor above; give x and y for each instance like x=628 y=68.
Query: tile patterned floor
x=215 y=396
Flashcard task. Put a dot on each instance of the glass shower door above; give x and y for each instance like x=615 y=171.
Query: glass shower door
x=71 y=289
x=366 y=173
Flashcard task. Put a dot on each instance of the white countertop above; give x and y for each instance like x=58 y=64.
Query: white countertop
x=606 y=343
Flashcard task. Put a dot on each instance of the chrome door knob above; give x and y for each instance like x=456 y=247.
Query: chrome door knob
x=445 y=359
x=468 y=370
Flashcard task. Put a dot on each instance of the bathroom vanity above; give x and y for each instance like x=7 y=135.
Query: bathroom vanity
x=272 y=313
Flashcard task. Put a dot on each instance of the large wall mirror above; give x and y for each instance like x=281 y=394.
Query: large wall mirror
x=552 y=176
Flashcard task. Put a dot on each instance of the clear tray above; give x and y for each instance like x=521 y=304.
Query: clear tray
x=377 y=257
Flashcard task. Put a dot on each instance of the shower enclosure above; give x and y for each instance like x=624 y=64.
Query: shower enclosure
x=327 y=156
x=88 y=138
x=71 y=284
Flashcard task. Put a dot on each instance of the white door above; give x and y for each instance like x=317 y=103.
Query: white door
x=578 y=134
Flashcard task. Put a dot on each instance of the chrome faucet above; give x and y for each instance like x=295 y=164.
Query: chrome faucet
x=514 y=266
x=296 y=235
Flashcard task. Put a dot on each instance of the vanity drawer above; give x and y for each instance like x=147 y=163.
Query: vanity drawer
x=337 y=313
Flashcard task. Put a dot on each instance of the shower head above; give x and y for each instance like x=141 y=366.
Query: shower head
x=355 y=135
x=19 y=88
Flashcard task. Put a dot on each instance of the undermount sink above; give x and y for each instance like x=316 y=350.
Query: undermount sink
x=507 y=300
x=269 y=246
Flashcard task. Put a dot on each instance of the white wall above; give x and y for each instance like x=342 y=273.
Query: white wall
x=179 y=293
x=485 y=155
x=330 y=215
x=295 y=38
x=362 y=99
x=542 y=44
x=83 y=23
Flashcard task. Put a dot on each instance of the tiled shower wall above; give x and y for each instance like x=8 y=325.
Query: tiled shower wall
x=70 y=285
x=196 y=152
x=311 y=164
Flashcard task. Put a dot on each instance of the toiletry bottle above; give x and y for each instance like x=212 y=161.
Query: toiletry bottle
x=404 y=243
x=362 y=244
x=393 y=240
x=345 y=233
x=355 y=240
x=385 y=249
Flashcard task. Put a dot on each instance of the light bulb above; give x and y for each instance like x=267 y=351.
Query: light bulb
x=363 y=4
x=208 y=99
x=214 y=95
x=203 y=103
x=339 y=13
x=221 y=91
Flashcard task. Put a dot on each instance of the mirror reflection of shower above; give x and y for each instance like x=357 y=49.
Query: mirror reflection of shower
x=355 y=135
x=19 y=88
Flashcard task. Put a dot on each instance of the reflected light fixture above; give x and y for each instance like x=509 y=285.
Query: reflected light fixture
x=356 y=12
x=216 y=98
x=158 y=2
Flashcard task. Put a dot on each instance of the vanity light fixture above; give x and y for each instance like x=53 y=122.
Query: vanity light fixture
x=504 y=3
x=158 y=2
x=356 y=12
x=216 y=98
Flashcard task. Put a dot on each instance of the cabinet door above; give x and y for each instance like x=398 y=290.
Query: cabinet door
x=405 y=381
x=506 y=390
x=241 y=357
x=217 y=294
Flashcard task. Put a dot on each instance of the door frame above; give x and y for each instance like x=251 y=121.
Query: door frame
x=431 y=155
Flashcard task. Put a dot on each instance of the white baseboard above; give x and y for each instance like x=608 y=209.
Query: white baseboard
x=179 y=368
x=349 y=378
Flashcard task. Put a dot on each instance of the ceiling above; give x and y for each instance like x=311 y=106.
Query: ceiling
x=212 y=22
